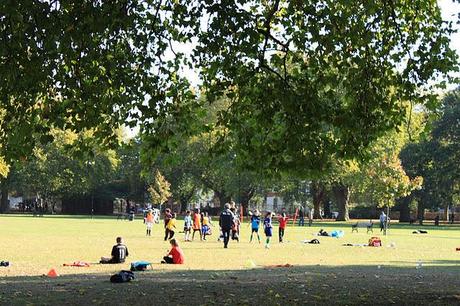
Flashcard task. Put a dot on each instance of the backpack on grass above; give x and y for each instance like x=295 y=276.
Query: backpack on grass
x=140 y=265
x=123 y=276
x=375 y=242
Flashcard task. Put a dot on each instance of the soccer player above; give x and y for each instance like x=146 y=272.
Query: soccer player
x=255 y=222
x=268 y=227
x=119 y=253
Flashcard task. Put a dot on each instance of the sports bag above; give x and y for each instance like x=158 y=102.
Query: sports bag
x=140 y=265
x=375 y=242
x=122 y=277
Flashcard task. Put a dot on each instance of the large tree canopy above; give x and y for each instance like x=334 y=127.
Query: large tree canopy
x=81 y=65
x=306 y=78
x=437 y=157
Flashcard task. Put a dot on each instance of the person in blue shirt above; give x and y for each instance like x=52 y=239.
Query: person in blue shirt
x=255 y=222
x=268 y=228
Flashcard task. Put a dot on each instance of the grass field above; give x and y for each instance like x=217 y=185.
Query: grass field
x=321 y=274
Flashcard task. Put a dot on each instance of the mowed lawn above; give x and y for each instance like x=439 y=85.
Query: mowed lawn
x=408 y=269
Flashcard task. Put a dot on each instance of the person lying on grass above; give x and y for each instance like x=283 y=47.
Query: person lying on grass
x=175 y=256
x=119 y=253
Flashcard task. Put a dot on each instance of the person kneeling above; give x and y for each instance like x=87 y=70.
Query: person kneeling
x=175 y=256
x=119 y=253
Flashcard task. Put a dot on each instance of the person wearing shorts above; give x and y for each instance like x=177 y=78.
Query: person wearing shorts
x=187 y=225
x=197 y=223
x=268 y=228
x=149 y=223
x=255 y=222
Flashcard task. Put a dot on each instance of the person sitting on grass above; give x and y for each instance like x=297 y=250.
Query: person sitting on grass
x=119 y=253
x=175 y=256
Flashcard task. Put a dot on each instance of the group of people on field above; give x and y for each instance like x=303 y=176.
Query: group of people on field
x=229 y=223
x=200 y=222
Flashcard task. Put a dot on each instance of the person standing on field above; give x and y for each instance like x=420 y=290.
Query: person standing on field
x=255 y=222
x=383 y=221
x=283 y=222
x=149 y=222
x=226 y=222
x=168 y=217
x=197 y=224
x=187 y=225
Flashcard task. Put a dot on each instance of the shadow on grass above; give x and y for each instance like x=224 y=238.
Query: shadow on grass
x=315 y=285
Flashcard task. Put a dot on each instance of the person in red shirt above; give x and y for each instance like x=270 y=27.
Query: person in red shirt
x=175 y=256
x=283 y=221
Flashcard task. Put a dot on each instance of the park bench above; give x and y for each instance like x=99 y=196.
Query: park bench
x=369 y=225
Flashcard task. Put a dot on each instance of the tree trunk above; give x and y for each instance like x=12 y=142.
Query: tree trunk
x=223 y=198
x=327 y=207
x=317 y=189
x=185 y=200
x=342 y=196
x=404 y=215
x=246 y=196
x=183 y=203
x=421 y=211
x=4 y=205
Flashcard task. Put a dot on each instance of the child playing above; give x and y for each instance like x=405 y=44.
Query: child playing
x=187 y=225
x=268 y=228
x=149 y=222
x=236 y=225
x=206 y=229
x=255 y=222
x=197 y=223
x=175 y=256
x=119 y=253
x=283 y=221
x=171 y=227
x=167 y=218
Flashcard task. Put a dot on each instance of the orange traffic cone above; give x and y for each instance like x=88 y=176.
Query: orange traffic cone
x=52 y=273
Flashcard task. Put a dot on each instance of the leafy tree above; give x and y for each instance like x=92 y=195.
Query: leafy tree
x=306 y=77
x=85 y=65
x=389 y=181
x=53 y=173
x=159 y=189
x=128 y=178
x=4 y=168
x=436 y=158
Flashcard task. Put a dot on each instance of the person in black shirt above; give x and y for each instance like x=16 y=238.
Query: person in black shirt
x=226 y=222
x=119 y=253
